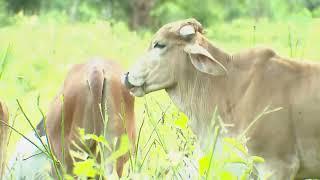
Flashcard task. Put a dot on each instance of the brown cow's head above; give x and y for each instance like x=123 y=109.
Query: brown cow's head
x=176 y=49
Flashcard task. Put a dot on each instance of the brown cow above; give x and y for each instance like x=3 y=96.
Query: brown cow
x=198 y=76
x=4 y=116
x=82 y=95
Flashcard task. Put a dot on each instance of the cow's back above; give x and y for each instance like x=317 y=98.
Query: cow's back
x=82 y=95
x=292 y=86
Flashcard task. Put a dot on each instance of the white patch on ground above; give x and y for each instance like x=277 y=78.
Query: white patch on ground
x=25 y=164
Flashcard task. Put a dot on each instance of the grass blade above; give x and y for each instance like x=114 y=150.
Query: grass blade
x=4 y=60
x=33 y=128
x=52 y=156
x=14 y=129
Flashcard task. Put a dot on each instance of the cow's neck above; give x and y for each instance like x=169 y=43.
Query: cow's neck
x=198 y=94
x=197 y=99
x=223 y=57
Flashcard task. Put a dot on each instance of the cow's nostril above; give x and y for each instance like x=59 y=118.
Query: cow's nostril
x=126 y=81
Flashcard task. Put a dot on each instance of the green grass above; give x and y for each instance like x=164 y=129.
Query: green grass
x=42 y=52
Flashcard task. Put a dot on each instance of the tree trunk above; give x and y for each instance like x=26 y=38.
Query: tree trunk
x=73 y=10
x=141 y=13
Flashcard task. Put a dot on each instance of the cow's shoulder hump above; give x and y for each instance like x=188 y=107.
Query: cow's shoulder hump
x=264 y=53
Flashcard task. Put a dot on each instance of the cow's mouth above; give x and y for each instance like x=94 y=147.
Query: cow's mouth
x=136 y=89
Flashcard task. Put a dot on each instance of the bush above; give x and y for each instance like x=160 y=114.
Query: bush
x=163 y=11
x=316 y=13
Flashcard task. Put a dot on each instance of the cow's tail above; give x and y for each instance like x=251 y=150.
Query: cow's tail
x=97 y=82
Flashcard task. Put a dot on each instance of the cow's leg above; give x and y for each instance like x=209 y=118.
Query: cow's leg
x=108 y=166
x=68 y=161
x=106 y=153
x=120 y=163
x=121 y=160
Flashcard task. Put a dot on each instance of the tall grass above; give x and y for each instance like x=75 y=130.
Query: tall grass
x=4 y=60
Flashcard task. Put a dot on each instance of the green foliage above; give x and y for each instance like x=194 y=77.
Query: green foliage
x=316 y=12
x=85 y=168
x=124 y=147
x=181 y=120
x=28 y=6
x=214 y=11
x=88 y=164
x=99 y=139
x=233 y=163
x=206 y=11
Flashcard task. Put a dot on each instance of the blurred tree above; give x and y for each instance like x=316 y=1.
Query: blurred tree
x=152 y=13
x=312 y=4
x=258 y=8
x=205 y=11
x=140 y=10
x=27 y=6
x=73 y=9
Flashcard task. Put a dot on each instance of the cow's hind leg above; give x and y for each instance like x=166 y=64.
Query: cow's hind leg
x=120 y=163
x=121 y=160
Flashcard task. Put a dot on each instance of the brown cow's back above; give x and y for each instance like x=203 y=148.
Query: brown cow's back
x=4 y=116
x=82 y=95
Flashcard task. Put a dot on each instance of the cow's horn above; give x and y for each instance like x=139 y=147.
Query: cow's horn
x=187 y=30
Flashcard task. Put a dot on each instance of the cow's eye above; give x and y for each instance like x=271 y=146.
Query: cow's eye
x=159 y=45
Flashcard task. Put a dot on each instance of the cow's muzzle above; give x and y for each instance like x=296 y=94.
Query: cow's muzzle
x=126 y=82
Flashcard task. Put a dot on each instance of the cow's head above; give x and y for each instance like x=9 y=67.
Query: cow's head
x=177 y=48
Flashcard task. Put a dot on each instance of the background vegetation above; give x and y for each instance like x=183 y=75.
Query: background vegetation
x=44 y=38
x=152 y=13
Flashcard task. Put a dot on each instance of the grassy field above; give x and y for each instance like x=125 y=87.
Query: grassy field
x=40 y=54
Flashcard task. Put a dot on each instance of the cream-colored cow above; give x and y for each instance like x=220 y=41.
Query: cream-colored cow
x=198 y=76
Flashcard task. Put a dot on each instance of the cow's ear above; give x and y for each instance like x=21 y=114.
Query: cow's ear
x=203 y=61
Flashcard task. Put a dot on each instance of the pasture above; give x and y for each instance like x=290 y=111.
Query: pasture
x=36 y=55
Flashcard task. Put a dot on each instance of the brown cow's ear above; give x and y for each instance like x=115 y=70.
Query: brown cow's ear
x=203 y=61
